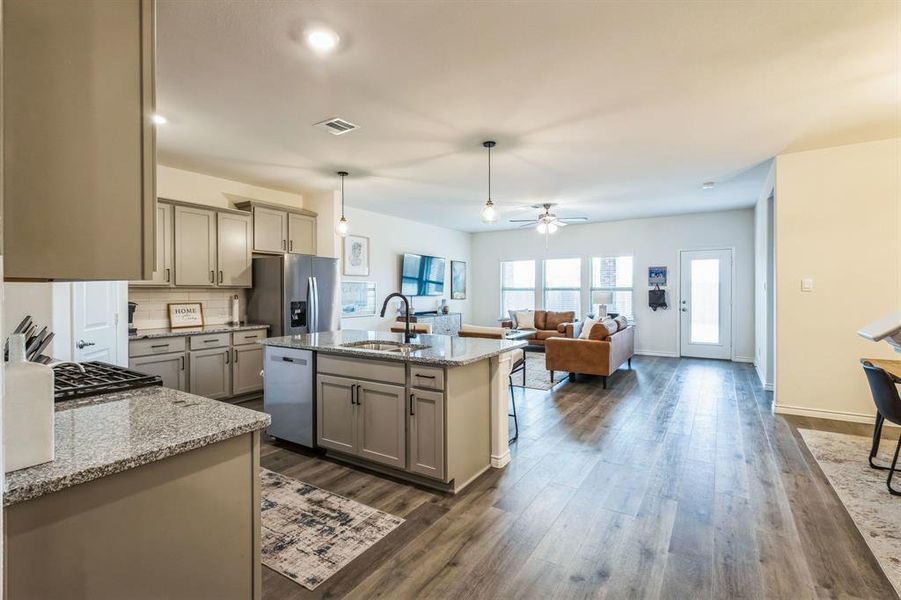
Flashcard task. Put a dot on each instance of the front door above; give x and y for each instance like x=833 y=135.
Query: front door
x=705 y=304
x=99 y=321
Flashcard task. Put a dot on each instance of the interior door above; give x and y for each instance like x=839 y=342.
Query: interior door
x=99 y=321
x=705 y=303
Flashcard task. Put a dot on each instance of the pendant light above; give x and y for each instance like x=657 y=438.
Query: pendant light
x=489 y=212
x=341 y=228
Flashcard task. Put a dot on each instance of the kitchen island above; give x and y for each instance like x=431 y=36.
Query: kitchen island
x=432 y=411
x=151 y=490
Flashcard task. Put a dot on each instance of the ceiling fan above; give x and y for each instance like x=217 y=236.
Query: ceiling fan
x=547 y=222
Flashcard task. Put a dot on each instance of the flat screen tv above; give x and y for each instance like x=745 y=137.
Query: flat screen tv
x=422 y=275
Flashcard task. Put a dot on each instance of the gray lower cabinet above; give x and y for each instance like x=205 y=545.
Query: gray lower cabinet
x=170 y=367
x=381 y=421
x=362 y=418
x=425 y=433
x=210 y=372
x=336 y=415
x=247 y=364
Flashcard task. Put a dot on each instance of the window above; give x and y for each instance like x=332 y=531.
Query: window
x=563 y=284
x=611 y=284
x=517 y=286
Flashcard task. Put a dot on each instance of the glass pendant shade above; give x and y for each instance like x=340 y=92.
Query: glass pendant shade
x=489 y=213
x=341 y=227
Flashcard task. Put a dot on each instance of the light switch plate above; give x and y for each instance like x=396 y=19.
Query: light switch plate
x=807 y=285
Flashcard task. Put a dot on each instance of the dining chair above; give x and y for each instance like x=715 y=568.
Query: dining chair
x=888 y=408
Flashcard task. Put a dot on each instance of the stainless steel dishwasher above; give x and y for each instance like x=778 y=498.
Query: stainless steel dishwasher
x=289 y=394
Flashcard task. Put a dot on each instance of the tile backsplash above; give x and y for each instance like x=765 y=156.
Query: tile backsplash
x=153 y=311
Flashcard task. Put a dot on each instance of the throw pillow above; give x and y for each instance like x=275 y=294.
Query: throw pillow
x=525 y=319
x=622 y=322
x=586 y=328
x=603 y=330
x=513 y=318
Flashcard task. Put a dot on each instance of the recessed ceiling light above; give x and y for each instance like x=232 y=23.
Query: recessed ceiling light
x=708 y=185
x=159 y=119
x=321 y=39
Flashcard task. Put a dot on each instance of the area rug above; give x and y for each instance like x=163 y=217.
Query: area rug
x=875 y=512
x=537 y=376
x=309 y=533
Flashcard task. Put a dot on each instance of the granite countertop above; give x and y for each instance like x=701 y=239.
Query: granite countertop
x=120 y=431
x=163 y=332
x=443 y=350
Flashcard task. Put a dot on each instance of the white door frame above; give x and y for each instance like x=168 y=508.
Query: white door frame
x=731 y=250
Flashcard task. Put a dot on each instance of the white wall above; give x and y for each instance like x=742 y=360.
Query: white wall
x=763 y=294
x=188 y=186
x=389 y=239
x=49 y=304
x=838 y=222
x=652 y=242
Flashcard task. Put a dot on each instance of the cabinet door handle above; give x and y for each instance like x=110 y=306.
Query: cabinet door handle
x=412 y=400
x=284 y=245
x=210 y=341
x=359 y=402
x=353 y=388
x=220 y=276
x=425 y=376
x=212 y=277
x=291 y=245
x=160 y=346
x=182 y=363
x=168 y=273
x=236 y=357
x=228 y=356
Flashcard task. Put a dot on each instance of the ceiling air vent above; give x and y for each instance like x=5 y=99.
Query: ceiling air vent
x=337 y=126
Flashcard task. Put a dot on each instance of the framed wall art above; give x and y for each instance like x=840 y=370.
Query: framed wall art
x=458 y=280
x=358 y=299
x=356 y=256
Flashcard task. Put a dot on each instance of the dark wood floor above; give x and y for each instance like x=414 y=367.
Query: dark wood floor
x=675 y=482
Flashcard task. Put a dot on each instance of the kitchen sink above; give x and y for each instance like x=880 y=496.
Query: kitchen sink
x=385 y=346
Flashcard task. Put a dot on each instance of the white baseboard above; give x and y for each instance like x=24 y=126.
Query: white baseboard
x=820 y=413
x=655 y=353
x=743 y=359
x=767 y=385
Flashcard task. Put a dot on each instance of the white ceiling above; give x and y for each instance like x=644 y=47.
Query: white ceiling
x=614 y=110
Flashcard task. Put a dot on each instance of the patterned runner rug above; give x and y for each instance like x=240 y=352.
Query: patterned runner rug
x=862 y=490
x=309 y=534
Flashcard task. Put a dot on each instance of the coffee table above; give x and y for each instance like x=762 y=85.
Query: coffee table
x=520 y=334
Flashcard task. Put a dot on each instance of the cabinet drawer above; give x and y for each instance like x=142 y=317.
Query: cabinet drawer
x=213 y=340
x=156 y=346
x=248 y=337
x=428 y=378
x=361 y=368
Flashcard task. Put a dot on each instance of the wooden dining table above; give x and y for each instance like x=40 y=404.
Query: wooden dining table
x=892 y=367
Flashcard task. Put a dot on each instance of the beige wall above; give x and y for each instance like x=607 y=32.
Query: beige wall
x=838 y=222
x=188 y=186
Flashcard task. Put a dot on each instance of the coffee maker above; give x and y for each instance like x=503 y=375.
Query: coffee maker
x=132 y=330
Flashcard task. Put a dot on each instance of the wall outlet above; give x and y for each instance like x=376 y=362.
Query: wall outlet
x=807 y=285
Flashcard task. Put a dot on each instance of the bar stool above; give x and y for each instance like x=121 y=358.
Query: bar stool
x=888 y=407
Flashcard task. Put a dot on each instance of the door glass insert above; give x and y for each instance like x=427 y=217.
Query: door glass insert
x=705 y=301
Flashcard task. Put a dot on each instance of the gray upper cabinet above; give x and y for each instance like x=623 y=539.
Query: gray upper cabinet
x=234 y=241
x=301 y=234
x=195 y=246
x=163 y=274
x=270 y=230
x=426 y=433
x=79 y=150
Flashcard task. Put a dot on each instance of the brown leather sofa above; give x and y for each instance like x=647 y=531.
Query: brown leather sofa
x=548 y=324
x=610 y=344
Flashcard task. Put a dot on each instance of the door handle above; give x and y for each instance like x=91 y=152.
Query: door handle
x=83 y=344
x=412 y=400
x=684 y=310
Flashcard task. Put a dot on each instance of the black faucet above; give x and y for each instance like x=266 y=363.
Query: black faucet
x=406 y=311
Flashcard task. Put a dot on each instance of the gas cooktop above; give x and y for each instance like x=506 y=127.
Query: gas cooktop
x=98 y=378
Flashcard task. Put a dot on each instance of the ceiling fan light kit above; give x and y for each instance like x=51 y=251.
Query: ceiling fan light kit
x=547 y=222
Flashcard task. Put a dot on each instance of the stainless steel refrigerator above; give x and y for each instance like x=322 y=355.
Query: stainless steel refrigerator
x=293 y=294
